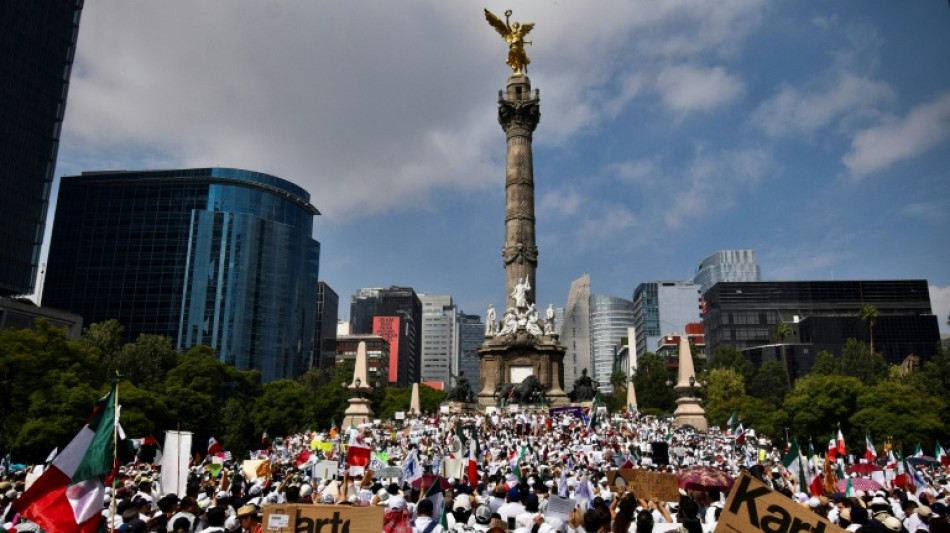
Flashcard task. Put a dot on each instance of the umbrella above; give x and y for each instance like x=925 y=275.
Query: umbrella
x=921 y=461
x=704 y=478
x=860 y=483
x=863 y=468
x=427 y=480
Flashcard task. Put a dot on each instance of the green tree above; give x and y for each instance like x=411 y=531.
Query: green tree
x=891 y=408
x=331 y=398
x=769 y=382
x=723 y=386
x=281 y=408
x=237 y=428
x=650 y=382
x=106 y=338
x=727 y=356
x=49 y=387
x=826 y=364
x=147 y=361
x=817 y=403
x=783 y=332
x=868 y=314
x=858 y=361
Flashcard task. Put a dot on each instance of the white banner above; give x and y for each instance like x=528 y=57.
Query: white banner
x=176 y=455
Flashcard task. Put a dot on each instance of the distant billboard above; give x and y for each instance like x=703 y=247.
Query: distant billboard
x=387 y=327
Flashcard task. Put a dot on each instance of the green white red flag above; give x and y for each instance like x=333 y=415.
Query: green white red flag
x=68 y=497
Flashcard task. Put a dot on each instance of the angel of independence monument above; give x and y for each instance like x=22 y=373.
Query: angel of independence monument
x=521 y=357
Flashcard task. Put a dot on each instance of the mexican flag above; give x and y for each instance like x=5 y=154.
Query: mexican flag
x=732 y=423
x=869 y=452
x=796 y=466
x=941 y=455
x=434 y=494
x=68 y=497
x=517 y=465
x=471 y=469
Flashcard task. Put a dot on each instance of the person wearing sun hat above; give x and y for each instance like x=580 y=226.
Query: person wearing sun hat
x=250 y=519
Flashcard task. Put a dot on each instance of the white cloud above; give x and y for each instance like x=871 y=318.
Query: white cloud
x=685 y=88
x=369 y=107
x=562 y=202
x=940 y=303
x=879 y=147
x=801 y=112
x=712 y=182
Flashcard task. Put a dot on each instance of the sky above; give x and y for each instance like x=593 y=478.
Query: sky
x=815 y=133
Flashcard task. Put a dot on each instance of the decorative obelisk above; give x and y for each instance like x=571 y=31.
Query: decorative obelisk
x=688 y=410
x=521 y=358
x=631 y=398
x=359 y=411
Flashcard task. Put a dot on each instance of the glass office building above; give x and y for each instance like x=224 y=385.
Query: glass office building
x=727 y=265
x=214 y=256
x=37 y=46
x=610 y=317
x=823 y=314
x=662 y=307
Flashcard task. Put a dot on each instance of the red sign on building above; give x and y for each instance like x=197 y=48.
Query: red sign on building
x=387 y=327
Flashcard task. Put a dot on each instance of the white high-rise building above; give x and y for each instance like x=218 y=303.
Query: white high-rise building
x=727 y=265
x=575 y=332
x=610 y=318
x=440 y=339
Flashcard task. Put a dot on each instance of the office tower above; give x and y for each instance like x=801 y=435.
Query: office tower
x=324 y=330
x=662 y=307
x=208 y=256
x=575 y=331
x=37 y=46
x=439 y=354
x=363 y=308
x=822 y=315
x=727 y=265
x=396 y=314
x=609 y=319
x=471 y=334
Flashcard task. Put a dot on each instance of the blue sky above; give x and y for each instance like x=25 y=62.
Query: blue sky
x=816 y=133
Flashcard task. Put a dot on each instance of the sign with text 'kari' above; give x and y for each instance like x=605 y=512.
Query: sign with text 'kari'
x=311 y=518
x=753 y=507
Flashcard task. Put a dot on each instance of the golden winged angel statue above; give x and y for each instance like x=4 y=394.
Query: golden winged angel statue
x=513 y=33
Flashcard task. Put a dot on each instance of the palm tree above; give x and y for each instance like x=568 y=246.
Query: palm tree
x=782 y=332
x=868 y=314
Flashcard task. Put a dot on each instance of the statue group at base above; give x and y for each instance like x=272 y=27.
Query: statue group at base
x=523 y=317
x=529 y=391
x=585 y=388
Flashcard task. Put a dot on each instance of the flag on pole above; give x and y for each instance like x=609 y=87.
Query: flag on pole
x=842 y=450
x=941 y=455
x=832 y=450
x=739 y=432
x=357 y=455
x=795 y=465
x=68 y=497
x=732 y=423
x=869 y=453
x=214 y=447
x=472 y=466
x=517 y=465
x=849 y=489
x=264 y=438
x=918 y=451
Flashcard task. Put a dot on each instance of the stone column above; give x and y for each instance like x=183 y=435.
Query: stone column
x=518 y=114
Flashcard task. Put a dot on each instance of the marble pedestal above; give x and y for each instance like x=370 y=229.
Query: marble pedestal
x=359 y=412
x=522 y=354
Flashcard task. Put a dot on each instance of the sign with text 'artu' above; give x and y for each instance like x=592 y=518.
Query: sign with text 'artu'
x=312 y=518
x=753 y=507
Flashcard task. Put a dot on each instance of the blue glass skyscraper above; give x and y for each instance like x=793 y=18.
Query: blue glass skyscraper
x=214 y=256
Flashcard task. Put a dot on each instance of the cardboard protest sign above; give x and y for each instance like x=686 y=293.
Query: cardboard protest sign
x=753 y=507
x=645 y=484
x=311 y=518
x=279 y=517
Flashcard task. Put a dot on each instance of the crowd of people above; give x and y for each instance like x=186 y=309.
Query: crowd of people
x=522 y=463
